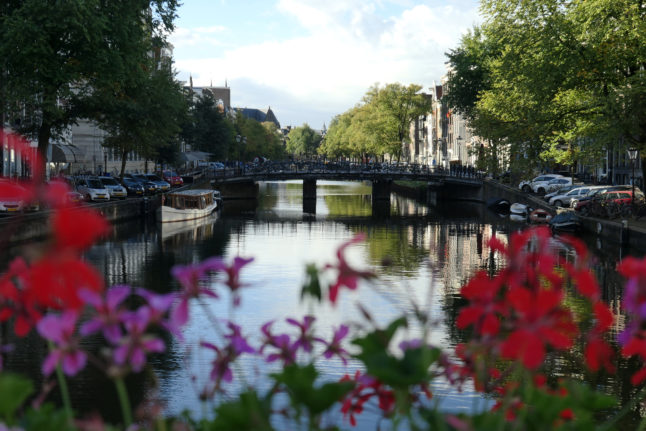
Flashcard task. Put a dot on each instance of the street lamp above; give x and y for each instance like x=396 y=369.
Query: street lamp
x=632 y=153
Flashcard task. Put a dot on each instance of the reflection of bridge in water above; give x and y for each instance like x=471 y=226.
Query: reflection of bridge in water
x=241 y=183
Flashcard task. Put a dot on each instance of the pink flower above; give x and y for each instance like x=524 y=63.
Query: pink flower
x=60 y=330
x=134 y=346
x=191 y=278
x=109 y=312
x=282 y=343
x=305 y=338
x=159 y=306
x=233 y=275
x=237 y=342
x=347 y=276
x=334 y=346
x=220 y=366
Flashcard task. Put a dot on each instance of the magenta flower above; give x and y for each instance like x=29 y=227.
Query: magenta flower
x=191 y=278
x=220 y=366
x=237 y=342
x=346 y=275
x=334 y=347
x=109 y=312
x=306 y=337
x=59 y=329
x=233 y=275
x=159 y=305
x=286 y=351
x=134 y=346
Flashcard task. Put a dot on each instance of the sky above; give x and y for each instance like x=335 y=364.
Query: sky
x=310 y=60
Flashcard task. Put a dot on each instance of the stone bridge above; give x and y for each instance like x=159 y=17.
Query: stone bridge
x=241 y=183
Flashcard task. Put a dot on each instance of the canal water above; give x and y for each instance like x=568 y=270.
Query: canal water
x=422 y=255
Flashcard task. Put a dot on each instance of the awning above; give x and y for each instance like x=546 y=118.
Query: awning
x=194 y=156
x=66 y=153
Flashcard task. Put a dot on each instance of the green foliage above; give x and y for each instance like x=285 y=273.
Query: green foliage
x=379 y=125
x=303 y=141
x=14 y=391
x=262 y=139
x=411 y=369
x=299 y=382
x=210 y=130
x=248 y=412
x=48 y=418
x=312 y=285
x=556 y=81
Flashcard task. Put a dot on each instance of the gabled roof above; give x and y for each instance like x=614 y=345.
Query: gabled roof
x=260 y=115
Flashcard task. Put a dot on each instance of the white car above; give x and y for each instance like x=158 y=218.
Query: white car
x=565 y=199
x=116 y=190
x=92 y=189
x=538 y=183
x=557 y=183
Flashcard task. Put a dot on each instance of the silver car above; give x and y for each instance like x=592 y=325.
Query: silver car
x=92 y=189
x=117 y=191
x=565 y=200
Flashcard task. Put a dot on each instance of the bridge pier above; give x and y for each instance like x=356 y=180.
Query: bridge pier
x=239 y=190
x=381 y=198
x=309 y=196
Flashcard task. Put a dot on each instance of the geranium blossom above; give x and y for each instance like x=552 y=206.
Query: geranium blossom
x=191 y=279
x=346 y=275
x=109 y=312
x=136 y=343
x=334 y=347
x=233 y=275
x=60 y=330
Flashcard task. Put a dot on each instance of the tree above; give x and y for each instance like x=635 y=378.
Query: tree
x=303 y=141
x=54 y=54
x=212 y=132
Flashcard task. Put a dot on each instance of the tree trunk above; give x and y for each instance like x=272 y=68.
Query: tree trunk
x=124 y=157
x=44 y=134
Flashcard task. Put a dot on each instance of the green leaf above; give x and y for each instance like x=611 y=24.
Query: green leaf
x=300 y=384
x=14 y=390
x=47 y=418
x=312 y=285
x=248 y=412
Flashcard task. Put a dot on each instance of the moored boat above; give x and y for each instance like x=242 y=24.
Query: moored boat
x=499 y=205
x=540 y=216
x=186 y=205
x=518 y=212
x=566 y=221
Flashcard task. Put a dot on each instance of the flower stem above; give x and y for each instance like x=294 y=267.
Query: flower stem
x=65 y=393
x=124 y=401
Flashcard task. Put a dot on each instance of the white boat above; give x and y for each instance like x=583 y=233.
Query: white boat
x=518 y=212
x=186 y=205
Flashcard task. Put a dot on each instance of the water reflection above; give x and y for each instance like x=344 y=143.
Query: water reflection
x=421 y=254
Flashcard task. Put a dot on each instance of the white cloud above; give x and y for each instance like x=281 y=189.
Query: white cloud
x=348 y=45
x=199 y=36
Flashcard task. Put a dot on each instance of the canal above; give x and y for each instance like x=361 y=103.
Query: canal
x=422 y=255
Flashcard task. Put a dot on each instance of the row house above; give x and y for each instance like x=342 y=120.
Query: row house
x=440 y=137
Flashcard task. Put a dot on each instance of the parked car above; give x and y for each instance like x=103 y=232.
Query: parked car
x=117 y=191
x=13 y=196
x=162 y=186
x=92 y=189
x=541 y=180
x=619 y=197
x=560 y=191
x=173 y=178
x=565 y=199
x=557 y=183
x=597 y=190
x=150 y=188
x=541 y=186
x=133 y=187
x=65 y=183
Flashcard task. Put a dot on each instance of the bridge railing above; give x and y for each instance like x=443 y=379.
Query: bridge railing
x=299 y=167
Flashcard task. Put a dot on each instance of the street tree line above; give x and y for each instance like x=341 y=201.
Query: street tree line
x=61 y=62
x=553 y=81
x=378 y=125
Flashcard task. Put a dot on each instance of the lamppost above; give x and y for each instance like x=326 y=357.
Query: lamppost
x=632 y=153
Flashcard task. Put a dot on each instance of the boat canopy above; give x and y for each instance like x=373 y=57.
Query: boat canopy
x=189 y=199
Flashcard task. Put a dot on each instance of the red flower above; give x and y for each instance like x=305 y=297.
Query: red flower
x=484 y=308
x=78 y=228
x=599 y=354
x=539 y=321
x=567 y=414
x=347 y=276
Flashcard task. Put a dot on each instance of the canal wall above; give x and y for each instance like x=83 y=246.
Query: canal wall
x=33 y=226
x=623 y=232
